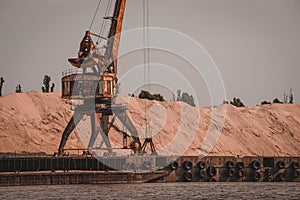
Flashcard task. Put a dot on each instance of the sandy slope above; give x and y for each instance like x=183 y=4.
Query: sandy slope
x=34 y=122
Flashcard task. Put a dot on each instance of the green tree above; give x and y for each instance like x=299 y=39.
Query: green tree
x=265 y=102
x=18 y=89
x=52 y=87
x=147 y=95
x=178 y=95
x=291 y=100
x=185 y=97
x=276 y=100
x=46 y=82
x=1 y=85
x=237 y=102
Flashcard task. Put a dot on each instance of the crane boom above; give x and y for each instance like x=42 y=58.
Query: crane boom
x=115 y=33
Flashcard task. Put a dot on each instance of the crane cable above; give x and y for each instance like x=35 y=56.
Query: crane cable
x=146 y=57
x=104 y=21
x=96 y=11
x=146 y=43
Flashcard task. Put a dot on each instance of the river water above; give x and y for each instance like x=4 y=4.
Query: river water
x=164 y=191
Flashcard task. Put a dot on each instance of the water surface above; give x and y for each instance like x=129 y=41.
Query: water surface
x=165 y=191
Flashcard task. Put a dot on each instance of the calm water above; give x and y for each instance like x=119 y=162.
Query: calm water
x=163 y=191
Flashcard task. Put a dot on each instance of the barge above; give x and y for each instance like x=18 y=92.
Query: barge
x=49 y=170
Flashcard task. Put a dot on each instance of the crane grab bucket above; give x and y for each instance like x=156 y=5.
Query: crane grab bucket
x=88 y=55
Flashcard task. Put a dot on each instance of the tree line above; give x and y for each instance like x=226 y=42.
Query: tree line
x=181 y=96
x=287 y=99
x=45 y=88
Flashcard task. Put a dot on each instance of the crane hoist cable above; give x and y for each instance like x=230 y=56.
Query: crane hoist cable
x=96 y=11
x=148 y=43
x=146 y=52
x=104 y=21
x=146 y=49
x=144 y=41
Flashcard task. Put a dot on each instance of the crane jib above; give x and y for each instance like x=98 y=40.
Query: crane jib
x=115 y=33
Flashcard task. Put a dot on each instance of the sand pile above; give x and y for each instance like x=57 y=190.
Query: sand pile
x=34 y=122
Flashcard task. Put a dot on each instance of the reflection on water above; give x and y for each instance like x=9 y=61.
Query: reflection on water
x=150 y=191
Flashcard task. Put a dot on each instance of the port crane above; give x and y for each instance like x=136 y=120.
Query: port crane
x=95 y=83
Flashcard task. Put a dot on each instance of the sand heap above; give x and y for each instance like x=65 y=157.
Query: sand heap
x=34 y=122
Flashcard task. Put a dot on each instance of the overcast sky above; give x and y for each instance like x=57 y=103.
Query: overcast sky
x=254 y=43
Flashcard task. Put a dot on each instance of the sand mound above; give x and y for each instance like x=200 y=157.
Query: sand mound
x=34 y=122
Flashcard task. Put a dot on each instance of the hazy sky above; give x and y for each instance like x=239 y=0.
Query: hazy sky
x=254 y=43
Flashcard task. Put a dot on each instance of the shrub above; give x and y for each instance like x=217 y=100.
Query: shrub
x=147 y=95
x=237 y=102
